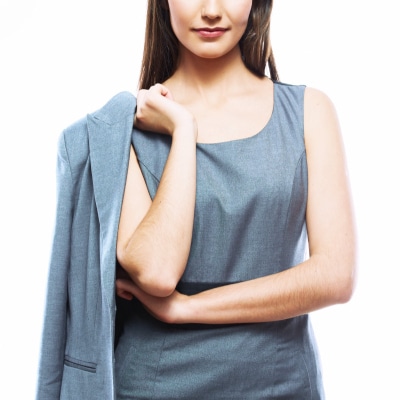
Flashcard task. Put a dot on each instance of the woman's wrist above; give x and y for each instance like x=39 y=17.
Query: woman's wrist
x=185 y=312
x=186 y=129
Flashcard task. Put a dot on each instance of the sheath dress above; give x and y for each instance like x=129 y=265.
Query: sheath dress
x=249 y=222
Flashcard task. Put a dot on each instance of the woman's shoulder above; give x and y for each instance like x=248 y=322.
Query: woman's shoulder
x=315 y=101
x=321 y=123
x=316 y=96
x=318 y=105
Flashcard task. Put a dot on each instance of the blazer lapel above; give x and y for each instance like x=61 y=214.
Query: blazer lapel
x=109 y=144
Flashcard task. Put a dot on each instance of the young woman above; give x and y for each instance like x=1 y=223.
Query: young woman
x=224 y=199
x=242 y=176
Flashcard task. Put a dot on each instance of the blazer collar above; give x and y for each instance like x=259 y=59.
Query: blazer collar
x=110 y=131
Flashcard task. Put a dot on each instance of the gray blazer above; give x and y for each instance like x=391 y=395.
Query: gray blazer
x=76 y=360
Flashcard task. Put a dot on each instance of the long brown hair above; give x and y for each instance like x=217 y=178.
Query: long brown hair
x=161 y=46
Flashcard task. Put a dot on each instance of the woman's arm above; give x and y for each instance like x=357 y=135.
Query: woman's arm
x=326 y=278
x=154 y=236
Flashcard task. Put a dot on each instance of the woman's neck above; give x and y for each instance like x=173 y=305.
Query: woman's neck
x=210 y=79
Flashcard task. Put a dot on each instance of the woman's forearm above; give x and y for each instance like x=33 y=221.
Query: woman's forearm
x=314 y=284
x=155 y=253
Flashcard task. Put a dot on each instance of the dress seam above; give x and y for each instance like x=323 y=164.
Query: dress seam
x=285 y=230
x=147 y=169
x=158 y=367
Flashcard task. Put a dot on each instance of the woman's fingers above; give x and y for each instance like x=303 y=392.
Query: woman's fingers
x=124 y=288
x=161 y=89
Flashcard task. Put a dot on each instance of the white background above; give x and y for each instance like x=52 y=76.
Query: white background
x=62 y=59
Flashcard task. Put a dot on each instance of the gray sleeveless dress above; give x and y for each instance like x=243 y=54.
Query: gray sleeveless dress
x=249 y=222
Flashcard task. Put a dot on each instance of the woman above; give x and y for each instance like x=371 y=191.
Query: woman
x=211 y=204
x=243 y=175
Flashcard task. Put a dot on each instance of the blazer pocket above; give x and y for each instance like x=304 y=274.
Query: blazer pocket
x=79 y=364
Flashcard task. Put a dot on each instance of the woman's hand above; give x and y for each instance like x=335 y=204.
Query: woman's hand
x=157 y=111
x=169 y=309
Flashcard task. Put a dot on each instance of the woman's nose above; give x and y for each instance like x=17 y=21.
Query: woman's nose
x=211 y=9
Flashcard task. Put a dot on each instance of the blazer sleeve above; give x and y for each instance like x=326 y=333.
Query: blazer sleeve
x=51 y=362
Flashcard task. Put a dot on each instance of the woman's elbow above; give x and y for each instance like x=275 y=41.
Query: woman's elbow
x=160 y=284
x=346 y=283
x=148 y=275
x=345 y=292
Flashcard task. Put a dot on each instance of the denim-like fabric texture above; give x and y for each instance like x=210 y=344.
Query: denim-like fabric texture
x=249 y=222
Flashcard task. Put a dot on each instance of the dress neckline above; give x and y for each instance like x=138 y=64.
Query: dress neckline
x=231 y=141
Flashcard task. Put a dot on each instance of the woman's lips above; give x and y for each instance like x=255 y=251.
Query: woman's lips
x=210 y=32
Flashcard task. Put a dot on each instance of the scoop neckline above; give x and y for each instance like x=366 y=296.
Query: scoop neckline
x=274 y=86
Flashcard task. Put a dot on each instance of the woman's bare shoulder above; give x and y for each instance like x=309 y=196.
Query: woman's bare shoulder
x=320 y=117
